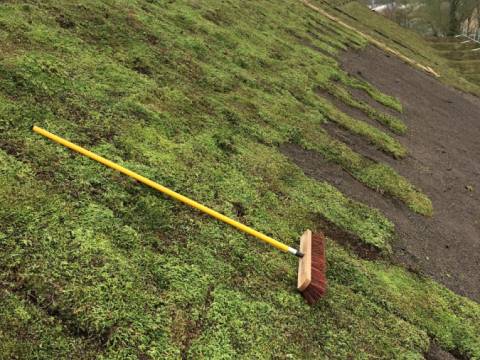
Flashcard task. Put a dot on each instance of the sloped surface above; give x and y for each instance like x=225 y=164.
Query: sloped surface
x=197 y=95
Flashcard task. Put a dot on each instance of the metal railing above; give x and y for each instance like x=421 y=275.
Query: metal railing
x=475 y=37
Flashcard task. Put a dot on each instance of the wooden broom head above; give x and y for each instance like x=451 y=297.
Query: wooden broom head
x=312 y=280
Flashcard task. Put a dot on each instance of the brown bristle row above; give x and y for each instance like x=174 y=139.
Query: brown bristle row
x=318 y=285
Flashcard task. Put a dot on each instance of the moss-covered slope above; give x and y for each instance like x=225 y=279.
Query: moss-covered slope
x=463 y=55
x=196 y=95
x=408 y=42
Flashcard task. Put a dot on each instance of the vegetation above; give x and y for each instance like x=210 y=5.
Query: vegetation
x=377 y=137
x=392 y=122
x=406 y=41
x=460 y=57
x=196 y=95
x=435 y=17
x=375 y=94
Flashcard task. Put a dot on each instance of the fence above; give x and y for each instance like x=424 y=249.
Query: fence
x=475 y=37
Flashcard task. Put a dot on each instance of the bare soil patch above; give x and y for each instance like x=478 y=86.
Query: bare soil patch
x=362 y=95
x=435 y=352
x=334 y=174
x=443 y=139
x=352 y=111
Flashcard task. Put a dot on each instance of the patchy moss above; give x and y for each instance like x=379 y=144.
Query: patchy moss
x=384 y=178
x=378 y=176
x=197 y=96
x=374 y=93
x=392 y=122
x=434 y=307
x=377 y=137
x=406 y=41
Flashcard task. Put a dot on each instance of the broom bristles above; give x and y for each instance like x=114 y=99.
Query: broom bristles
x=318 y=285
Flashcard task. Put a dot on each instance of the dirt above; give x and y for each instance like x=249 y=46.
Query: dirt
x=316 y=166
x=443 y=140
x=362 y=95
x=352 y=111
x=348 y=239
x=435 y=352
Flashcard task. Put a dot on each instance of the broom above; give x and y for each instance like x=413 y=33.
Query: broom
x=312 y=282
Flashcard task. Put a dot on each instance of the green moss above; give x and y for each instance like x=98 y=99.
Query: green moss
x=392 y=122
x=373 y=92
x=433 y=306
x=384 y=178
x=406 y=41
x=379 y=177
x=197 y=96
x=28 y=332
x=377 y=137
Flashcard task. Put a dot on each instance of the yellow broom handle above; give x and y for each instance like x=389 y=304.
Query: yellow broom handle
x=167 y=191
